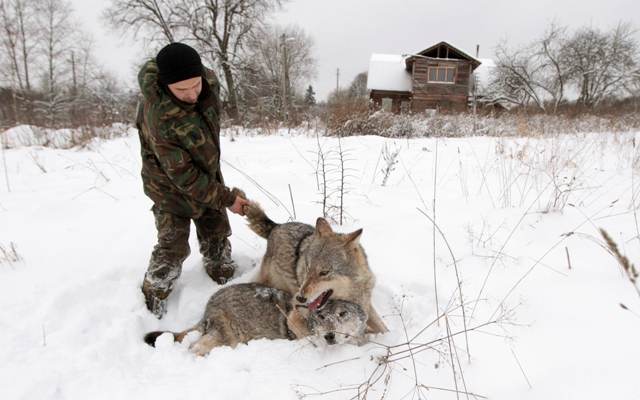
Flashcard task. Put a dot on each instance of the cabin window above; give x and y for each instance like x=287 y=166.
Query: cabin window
x=387 y=104
x=442 y=74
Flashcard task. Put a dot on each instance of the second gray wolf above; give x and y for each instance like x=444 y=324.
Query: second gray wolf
x=243 y=312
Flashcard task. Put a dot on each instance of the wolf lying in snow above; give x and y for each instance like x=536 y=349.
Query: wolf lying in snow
x=243 y=312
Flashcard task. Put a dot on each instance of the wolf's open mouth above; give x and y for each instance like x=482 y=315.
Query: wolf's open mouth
x=321 y=300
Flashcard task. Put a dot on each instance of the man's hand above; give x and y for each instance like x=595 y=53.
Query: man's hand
x=238 y=206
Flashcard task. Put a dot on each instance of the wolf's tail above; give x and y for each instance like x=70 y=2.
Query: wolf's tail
x=150 y=338
x=258 y=220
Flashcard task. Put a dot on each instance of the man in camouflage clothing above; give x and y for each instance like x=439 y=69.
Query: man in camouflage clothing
x=179 y=126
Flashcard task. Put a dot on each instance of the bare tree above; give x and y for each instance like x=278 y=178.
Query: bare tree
x=218 y=28
x=602 y=63
x=632 y=86
x=154 y=17
x=40 y=38
x=358 y=87
x=221 y=29
x=86 y=76
x=534 y=74
x=53 y=18
x=54 y=25
x=17 y=40
x=26 y=34
x=552 y=55
x=9 y=39
x=514 y=78
x=598 y=64
x=278 y=63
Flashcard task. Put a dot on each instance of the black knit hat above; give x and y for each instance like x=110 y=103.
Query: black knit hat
x=177 y=62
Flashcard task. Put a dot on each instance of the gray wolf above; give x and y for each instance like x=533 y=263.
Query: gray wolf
x=243 y=312
x=315 y=264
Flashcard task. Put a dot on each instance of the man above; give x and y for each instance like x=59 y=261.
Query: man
x=179 y=126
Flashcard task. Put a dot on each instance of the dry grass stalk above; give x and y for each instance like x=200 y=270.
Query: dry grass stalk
x=390 y=159
x=275 y=200
x=435 y=275
x=453 y=364
x=377 y=383
x=624 y=307
x=9 y=255
x=293 y=204
x=629 y=269
x=450 y=390
x=458 y=280
x=566 y=249
x=521 y=369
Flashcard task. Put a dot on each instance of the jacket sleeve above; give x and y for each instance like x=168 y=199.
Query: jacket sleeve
x=191 y=180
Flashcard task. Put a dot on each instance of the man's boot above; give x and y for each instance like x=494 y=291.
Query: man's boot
x=157 y=285
x=218 y=262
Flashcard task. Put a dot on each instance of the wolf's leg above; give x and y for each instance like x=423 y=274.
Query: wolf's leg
x=179 y=337
x=208 y=341
x=375 y=323
x=166 y=260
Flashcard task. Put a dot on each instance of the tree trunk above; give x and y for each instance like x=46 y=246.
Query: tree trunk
x=23 y=39
x=232 y=104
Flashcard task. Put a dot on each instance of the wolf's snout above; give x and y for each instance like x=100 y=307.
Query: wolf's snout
x=330 y=338
x=301 y=299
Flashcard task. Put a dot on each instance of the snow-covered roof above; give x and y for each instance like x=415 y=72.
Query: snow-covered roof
x=388 y=72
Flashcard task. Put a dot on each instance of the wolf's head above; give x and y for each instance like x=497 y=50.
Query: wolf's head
x=339 y=322
x=335 y=267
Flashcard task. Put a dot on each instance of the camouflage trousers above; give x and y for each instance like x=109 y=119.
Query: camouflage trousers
x=172 y=248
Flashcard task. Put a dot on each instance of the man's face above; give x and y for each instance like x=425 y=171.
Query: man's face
x=187 y=90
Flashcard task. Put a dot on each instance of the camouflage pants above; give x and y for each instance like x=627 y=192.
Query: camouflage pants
x=172 y=249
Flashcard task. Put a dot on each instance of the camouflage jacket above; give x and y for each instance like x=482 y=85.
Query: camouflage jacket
x=180 y=146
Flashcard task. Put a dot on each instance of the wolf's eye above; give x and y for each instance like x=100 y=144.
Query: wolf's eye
x=321 y=316
x=324 y=273
x=342 y=314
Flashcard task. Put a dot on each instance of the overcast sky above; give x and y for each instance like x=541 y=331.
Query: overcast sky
x=346 y=32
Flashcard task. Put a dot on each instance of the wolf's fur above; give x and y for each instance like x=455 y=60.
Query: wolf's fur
x=307 y=261
x=247 y=311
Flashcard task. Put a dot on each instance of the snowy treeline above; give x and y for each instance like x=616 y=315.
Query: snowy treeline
x=263 y=68
x=589 y=64
x=49 y=75
x=379 y=124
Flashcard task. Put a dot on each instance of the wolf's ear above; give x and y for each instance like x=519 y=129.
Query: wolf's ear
x=353 y=237
x=322 y=227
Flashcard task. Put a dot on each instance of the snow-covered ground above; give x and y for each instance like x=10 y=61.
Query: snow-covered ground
x=76 y=233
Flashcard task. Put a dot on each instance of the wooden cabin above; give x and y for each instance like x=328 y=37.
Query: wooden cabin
x=437 y=78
